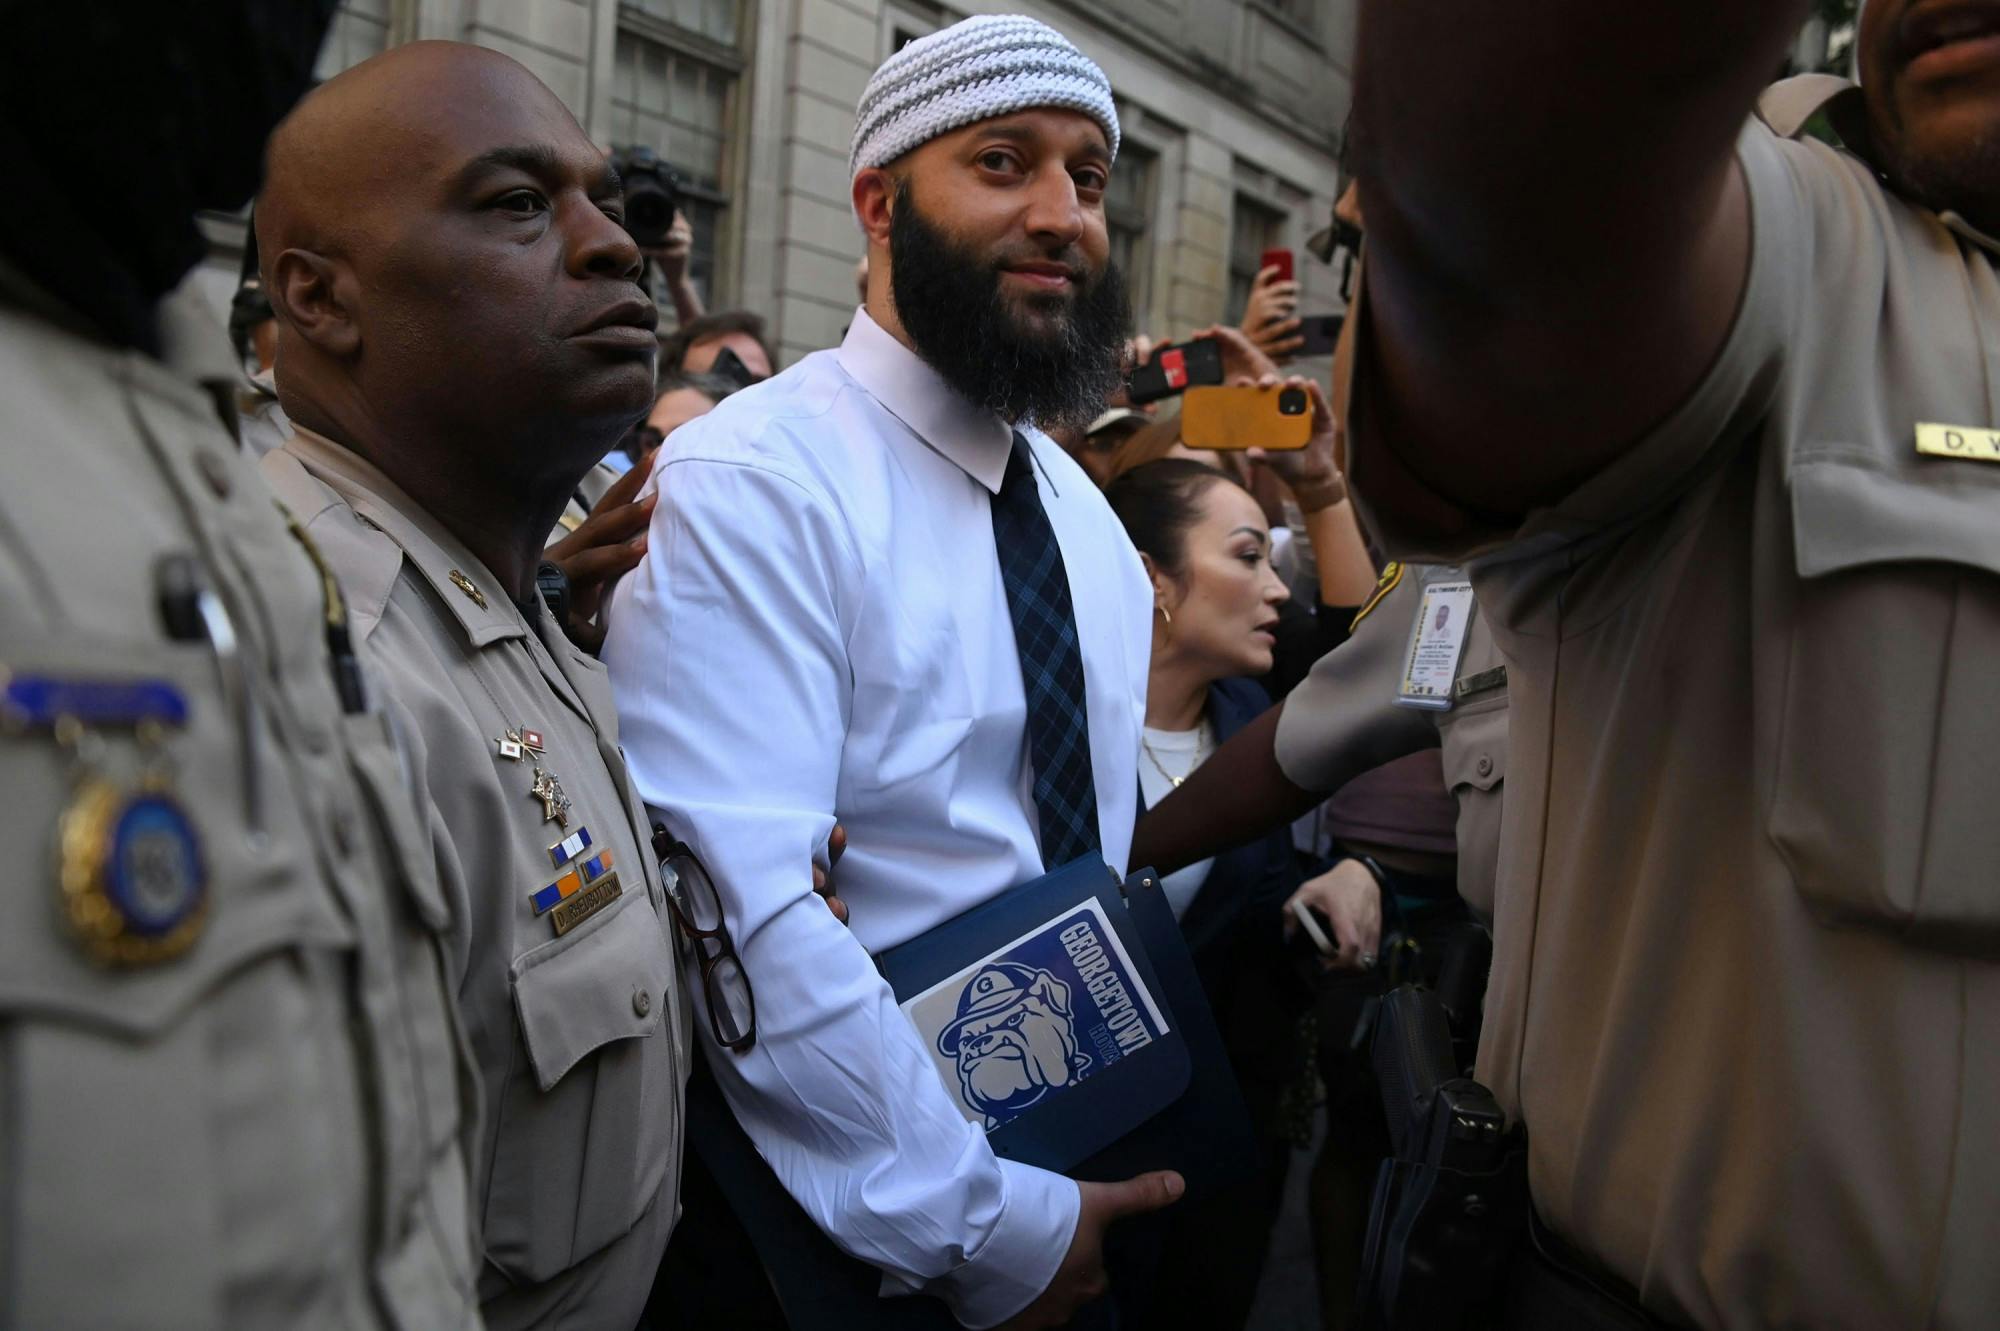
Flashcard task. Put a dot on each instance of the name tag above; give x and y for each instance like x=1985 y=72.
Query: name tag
x=585 y=904
x=1972 y=442
x=1437 y=641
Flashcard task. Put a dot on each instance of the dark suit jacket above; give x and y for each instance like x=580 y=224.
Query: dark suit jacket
x=1233 y=927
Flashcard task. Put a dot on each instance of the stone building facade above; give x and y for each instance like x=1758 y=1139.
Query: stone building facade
x=1232 y=111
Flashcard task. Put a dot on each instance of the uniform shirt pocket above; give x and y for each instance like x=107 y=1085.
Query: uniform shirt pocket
x=1891 y=702
x=587 y=1124
x=1474 y=737
x=167 y=1118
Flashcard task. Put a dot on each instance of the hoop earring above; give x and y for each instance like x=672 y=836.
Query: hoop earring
x=1165 y=613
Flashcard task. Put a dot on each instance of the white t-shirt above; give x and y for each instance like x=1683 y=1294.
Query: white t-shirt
x=1179 y=752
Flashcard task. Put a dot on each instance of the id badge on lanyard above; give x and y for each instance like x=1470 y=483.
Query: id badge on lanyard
x=1437 y=642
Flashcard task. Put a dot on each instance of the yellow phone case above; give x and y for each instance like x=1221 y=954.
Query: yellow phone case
x=1238 y=418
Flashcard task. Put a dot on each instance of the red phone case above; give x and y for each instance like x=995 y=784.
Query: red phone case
x=1280 y=260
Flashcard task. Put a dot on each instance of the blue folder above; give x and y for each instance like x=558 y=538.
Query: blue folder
x=1117 y=1105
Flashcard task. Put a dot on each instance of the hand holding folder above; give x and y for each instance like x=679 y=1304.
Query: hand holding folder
x=1065 y=1018
x=1081 y=1279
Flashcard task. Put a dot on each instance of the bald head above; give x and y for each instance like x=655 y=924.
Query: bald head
x=456 y=295
x=360 y=142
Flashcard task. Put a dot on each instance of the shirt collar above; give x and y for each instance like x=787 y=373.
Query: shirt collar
x=974 y=439
x=1787 y=105
x=468 y=590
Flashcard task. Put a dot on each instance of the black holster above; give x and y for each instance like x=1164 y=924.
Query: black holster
x=1451 y=1202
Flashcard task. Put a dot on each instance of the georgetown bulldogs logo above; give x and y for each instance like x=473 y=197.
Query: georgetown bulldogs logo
x=1014 y=1038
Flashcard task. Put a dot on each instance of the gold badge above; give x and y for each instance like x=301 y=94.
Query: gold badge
x=131 y=872
x=1392 y=573
x=1972 y=443
x=555 y=804
x=580 y=907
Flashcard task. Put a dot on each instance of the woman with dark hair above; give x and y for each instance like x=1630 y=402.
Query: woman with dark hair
x=1206 y=545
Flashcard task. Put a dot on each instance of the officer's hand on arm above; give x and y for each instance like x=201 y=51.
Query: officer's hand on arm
x=604 y=548
x=836 y=846
x=1558 y=234
x=1350 y=899
x=1271 y=320
x=1080 y=1279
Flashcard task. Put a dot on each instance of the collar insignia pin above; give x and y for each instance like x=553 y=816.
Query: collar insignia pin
x=464 y=584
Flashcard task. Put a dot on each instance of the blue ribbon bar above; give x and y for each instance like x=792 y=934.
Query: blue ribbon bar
x=38 y=701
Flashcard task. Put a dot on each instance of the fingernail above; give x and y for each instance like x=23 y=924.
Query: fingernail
x=1176 y=1185
x=638 y=544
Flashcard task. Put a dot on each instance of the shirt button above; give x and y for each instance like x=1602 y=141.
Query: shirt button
x=214 y=469
x=1485 y=765
x=642 y=1002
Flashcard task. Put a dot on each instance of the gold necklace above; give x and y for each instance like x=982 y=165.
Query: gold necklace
x=1161 y=768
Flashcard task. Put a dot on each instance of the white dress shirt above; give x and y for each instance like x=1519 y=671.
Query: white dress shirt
x=1170 y=758
x=819 y=630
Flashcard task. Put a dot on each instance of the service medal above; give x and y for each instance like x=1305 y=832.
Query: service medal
x=130 y=867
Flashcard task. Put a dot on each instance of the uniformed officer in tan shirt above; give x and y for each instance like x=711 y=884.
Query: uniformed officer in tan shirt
x=1709 y=411
x=462 y=338
x=231 y=1085
x=1357 y=711
x=1367 y=703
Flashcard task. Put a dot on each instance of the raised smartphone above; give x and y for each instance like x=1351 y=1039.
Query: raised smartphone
x=1275 y=418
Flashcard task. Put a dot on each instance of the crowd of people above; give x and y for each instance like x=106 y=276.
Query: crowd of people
x=476 y=749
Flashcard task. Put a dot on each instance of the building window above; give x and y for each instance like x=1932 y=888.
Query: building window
x=1304 y=13
x=1128 y=216
x=717 y=20
x=1255 y=228
x=674 y=89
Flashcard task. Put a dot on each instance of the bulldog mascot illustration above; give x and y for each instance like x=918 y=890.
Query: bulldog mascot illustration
x=1013 y=1038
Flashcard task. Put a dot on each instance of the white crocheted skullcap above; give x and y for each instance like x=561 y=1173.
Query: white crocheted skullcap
x=990 y=65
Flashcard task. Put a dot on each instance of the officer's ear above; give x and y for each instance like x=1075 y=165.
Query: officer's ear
x=316 y=297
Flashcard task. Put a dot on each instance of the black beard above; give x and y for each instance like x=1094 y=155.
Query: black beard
x=952 y=307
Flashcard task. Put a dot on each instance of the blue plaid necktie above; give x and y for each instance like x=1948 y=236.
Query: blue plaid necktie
x=1031 y=567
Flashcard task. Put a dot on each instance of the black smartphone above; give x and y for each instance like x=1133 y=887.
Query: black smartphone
x=1320 y=332
x=1176 y=367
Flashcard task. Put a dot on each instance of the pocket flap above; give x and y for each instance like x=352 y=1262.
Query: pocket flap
x=263 y=894
x=1848 y=513
x=1475 y=744
x=606 y=981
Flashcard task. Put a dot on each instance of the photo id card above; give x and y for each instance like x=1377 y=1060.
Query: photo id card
x=1437 y=641
x=1055 y=1007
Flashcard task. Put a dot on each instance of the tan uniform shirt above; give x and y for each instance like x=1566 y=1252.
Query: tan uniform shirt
x=1343 y=719
x=262 y=1129
x=1745 y=991
x=581 y=1036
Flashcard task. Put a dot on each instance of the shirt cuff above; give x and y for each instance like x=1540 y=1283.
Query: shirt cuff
x=1020 y=1256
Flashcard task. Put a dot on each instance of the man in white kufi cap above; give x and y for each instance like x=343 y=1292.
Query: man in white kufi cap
x=876 y=587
